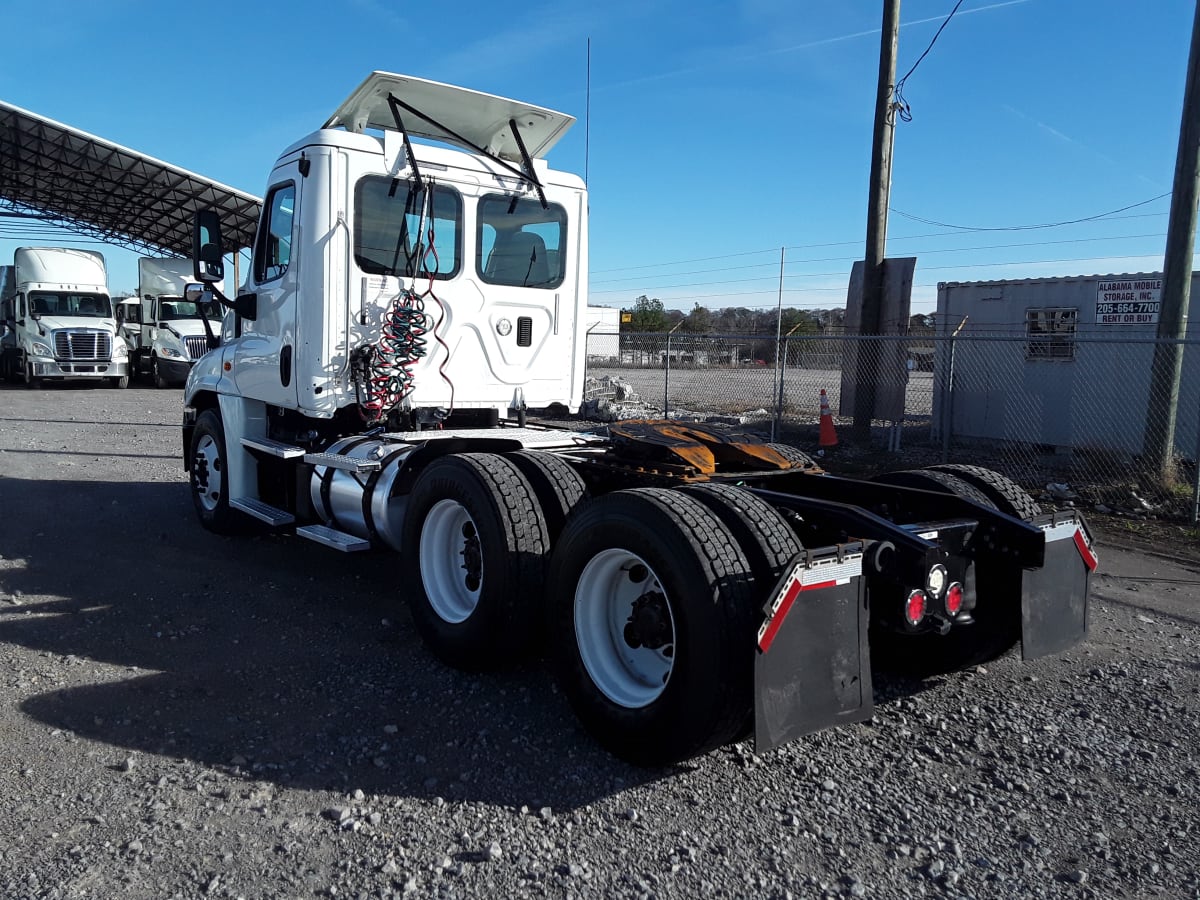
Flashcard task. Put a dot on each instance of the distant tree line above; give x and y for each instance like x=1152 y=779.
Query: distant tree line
x=648 y=316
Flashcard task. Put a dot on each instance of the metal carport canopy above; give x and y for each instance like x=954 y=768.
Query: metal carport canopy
x=87 y=184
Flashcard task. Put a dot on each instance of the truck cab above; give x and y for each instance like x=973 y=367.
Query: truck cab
x=446 y=277
x=60 y=322
x=166 y=332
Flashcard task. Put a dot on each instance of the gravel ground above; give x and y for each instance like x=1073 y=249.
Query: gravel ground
x=192 y=716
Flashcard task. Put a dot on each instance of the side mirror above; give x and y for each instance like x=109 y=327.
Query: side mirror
x=246 y=306
x=208 y=253
x=195 y=293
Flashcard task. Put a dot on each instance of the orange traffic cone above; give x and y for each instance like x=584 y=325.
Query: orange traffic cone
x=828 y=434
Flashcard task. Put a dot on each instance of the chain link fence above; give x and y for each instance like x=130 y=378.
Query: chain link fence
x=1068 y=419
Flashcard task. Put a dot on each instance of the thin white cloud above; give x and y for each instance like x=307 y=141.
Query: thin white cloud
x=758 y=53
x=381 y=14
x=528 y=37
x=1067 y=139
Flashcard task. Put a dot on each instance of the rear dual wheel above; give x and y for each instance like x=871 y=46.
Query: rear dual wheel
x=476 y=541
x=653 y=615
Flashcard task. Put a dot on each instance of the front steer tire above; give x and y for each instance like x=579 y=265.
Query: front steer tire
x=208 y=476
x=689 y=690
x=475 y=543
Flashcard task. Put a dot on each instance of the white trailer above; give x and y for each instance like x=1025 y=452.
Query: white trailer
x=407 y=305
x=59 y=319
x=165 y=332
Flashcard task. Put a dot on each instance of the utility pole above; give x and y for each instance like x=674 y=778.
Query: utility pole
x=1167 y=368
x=870 y=324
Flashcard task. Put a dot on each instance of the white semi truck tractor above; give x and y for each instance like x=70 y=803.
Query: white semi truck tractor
x=59 y=320
x=406 y=306
x=165 y=332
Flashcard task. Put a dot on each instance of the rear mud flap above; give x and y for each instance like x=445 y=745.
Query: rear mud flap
x=813 y=667
x=1054 y=598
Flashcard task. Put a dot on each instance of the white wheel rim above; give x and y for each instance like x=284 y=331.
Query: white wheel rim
x=604 y=601
x=207 y=479
x=451 y=567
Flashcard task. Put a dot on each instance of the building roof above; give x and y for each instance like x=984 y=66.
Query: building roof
x=1052 y=279
x=67 y=177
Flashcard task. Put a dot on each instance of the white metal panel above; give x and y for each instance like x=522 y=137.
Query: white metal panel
x=81 y=269
x=166 y=277
x=482 y=119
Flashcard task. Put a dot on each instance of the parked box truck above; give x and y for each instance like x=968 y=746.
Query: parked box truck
x=59 y=319
x=165 y=333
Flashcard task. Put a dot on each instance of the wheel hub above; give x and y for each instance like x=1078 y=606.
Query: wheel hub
x=472 y=555
x=206 y=473
x=649 y=622
x=624 y=628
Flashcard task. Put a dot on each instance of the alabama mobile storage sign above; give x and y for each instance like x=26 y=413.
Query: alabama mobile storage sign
x=1128 y=302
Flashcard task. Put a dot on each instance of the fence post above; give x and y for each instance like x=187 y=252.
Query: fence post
x=1196 y=481
x=667 y=379
x=781 y=356
x=948 y=405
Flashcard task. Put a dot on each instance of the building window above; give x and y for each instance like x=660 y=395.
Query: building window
x=1051 y=333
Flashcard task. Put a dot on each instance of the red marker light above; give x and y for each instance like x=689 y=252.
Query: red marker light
x=954 y=599
x=914 y=607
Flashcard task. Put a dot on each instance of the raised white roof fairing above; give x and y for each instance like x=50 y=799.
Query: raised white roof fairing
x=482 y=119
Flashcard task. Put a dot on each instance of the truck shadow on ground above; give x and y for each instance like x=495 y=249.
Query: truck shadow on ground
x=270 y=658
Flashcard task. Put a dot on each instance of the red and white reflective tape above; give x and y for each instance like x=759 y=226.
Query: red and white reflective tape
x=825 y=573
x=1085 y=550
x=1073 y=531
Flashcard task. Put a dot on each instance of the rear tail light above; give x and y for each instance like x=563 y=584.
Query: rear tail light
x=914 y=607
x=954 y=599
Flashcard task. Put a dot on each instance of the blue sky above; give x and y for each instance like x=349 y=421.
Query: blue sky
x=719 y=131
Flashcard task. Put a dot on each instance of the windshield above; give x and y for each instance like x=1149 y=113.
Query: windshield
x=174 y=310
x=51 y=303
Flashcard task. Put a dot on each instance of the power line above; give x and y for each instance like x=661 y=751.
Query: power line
x=901 y=105
x=1028 y=227
x=1019 y=262
x=925 y=252
x=858 y=241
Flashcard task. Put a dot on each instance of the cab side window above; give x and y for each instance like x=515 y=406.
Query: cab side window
x=273 y=249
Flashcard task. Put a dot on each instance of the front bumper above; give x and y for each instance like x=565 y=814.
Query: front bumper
x=174 y=370
x=52 y=368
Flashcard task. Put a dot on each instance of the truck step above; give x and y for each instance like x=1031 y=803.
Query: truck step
x=338 y=540
x=272 y=515
x=273 y=448
x=338 y=461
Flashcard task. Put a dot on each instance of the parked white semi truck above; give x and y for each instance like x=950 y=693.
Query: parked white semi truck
x=59 y=318
x=405 y=305
x=166 y=333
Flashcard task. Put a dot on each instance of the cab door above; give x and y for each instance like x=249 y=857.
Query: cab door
x=264 y=356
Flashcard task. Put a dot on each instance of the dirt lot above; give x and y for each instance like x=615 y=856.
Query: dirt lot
x=193 y=716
